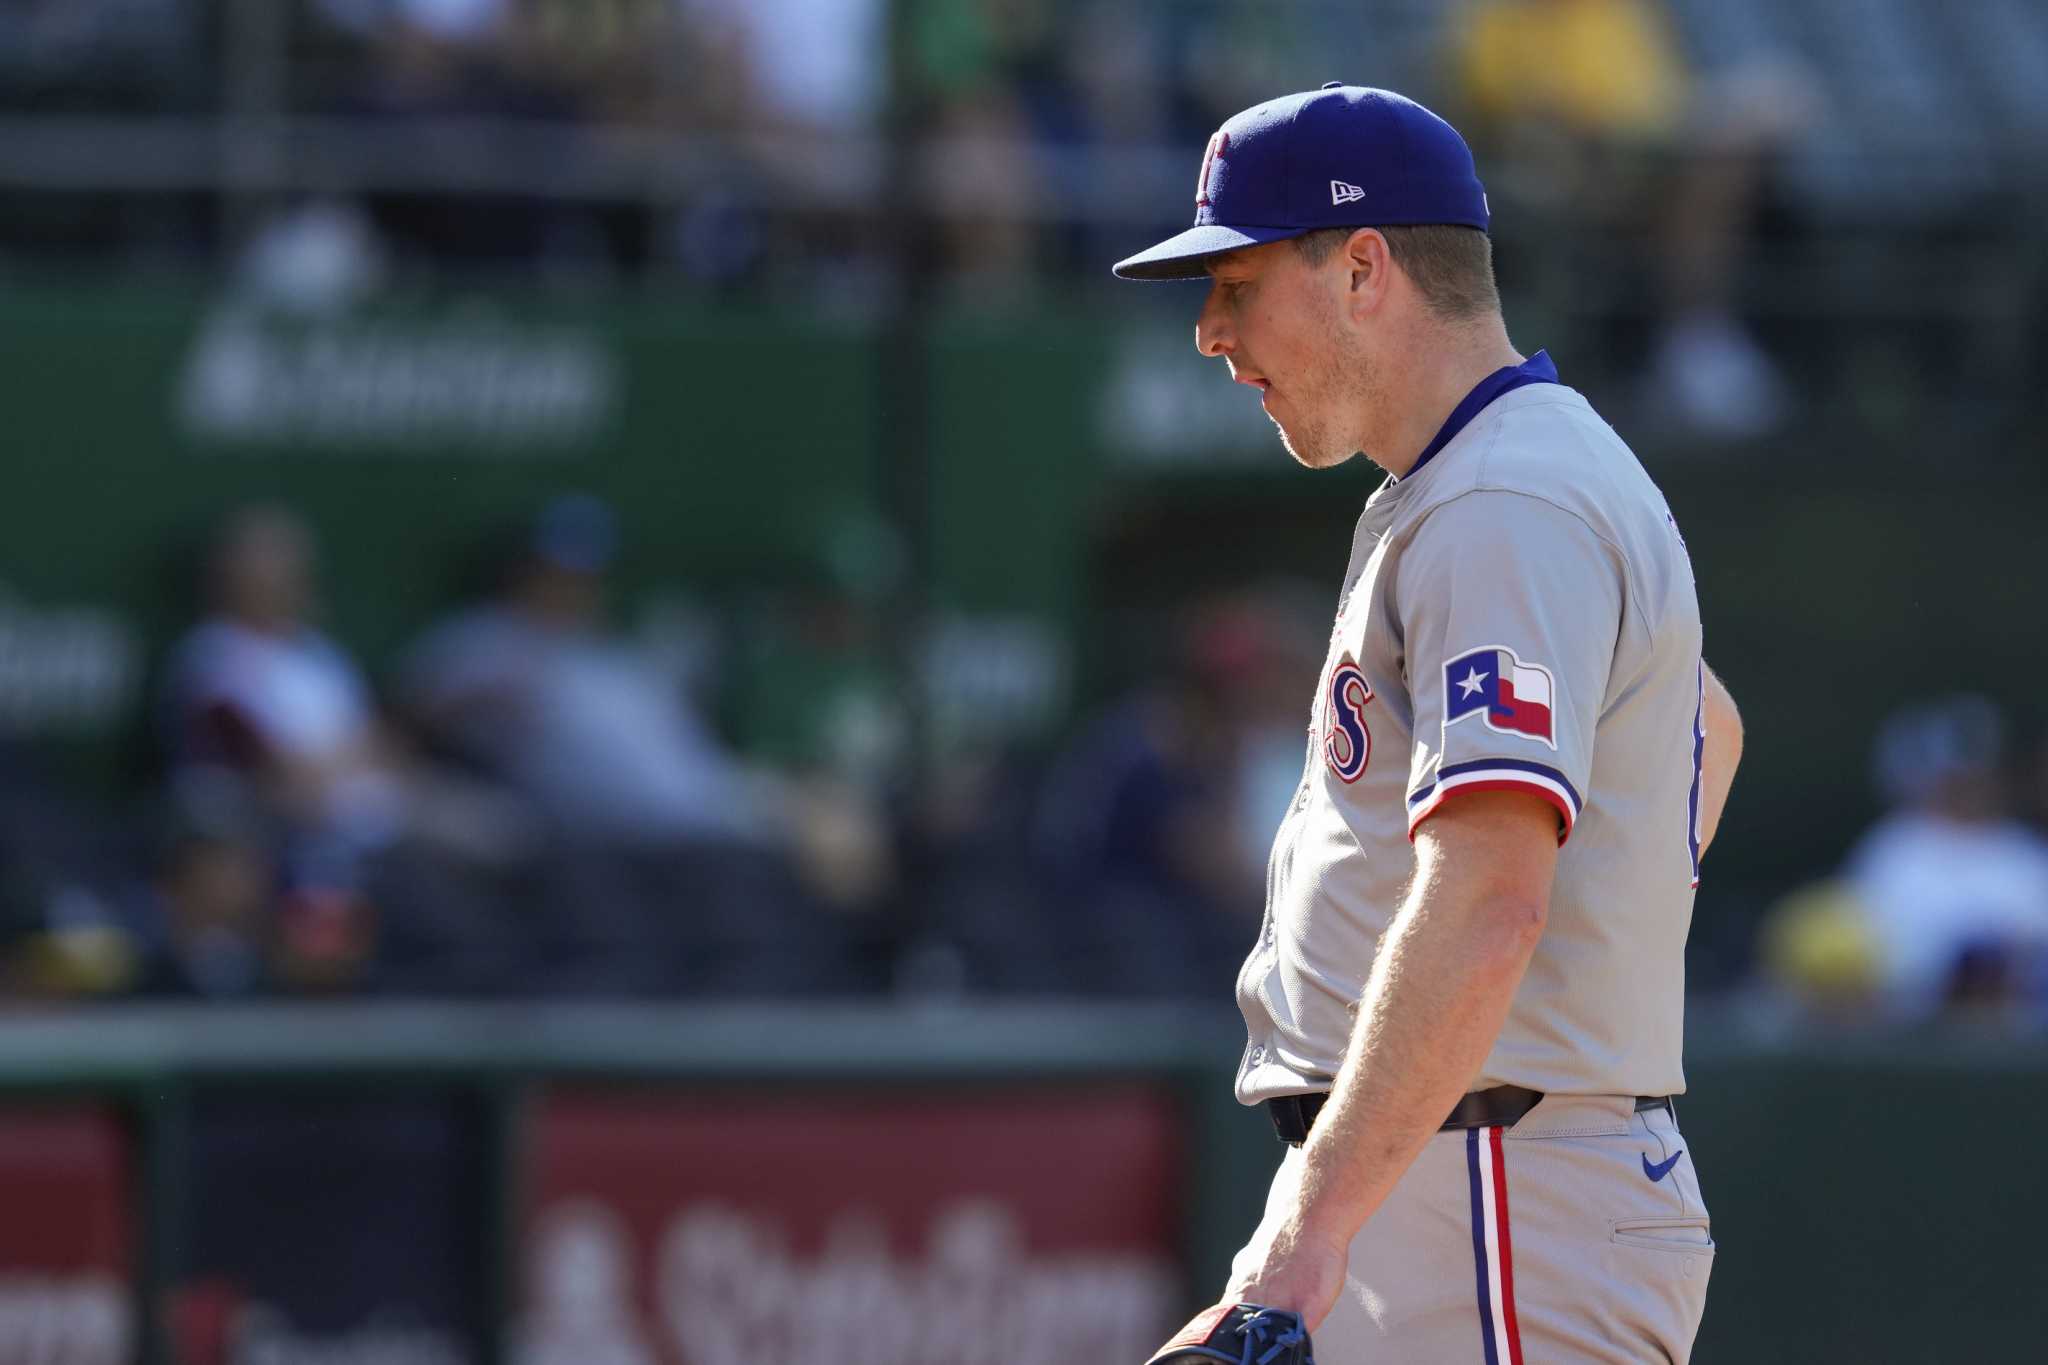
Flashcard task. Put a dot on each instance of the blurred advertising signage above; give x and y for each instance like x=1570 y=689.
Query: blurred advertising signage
x=64 y=668
x=489 y=387
x=988 y=1229
x=988 y=678
x=1165 y=407
x=66 y=1238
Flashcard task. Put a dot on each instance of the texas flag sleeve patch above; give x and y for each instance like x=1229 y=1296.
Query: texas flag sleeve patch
x=1510 y=696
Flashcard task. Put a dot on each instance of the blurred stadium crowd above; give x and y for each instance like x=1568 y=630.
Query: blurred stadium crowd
x=1724 y=207
x=532 y=802
x=1684 y=186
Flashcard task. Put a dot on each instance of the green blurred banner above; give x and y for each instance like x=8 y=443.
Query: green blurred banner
x=405 y=431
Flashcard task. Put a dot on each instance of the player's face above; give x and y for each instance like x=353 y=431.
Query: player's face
x=1274 y=320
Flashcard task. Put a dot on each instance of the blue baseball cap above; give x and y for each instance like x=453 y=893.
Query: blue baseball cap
x=1341 y=156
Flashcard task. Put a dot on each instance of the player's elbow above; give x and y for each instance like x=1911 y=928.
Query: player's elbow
x=1500 y=938
x=1517 y=921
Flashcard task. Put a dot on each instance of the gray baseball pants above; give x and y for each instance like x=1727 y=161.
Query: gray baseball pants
x=1577 y=1235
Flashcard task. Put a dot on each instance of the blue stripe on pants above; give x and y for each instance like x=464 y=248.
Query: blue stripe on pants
x=1472 y=1158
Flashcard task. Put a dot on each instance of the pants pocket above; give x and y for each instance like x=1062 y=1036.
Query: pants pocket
x=1689 y=1234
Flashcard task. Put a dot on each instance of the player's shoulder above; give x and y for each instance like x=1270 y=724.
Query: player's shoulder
x=1540 y=469
x=1544 y=443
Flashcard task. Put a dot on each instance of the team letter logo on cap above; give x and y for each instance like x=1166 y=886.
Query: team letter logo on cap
x=1218 y=145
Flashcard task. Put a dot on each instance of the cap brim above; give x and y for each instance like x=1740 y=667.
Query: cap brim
x=1181 y=256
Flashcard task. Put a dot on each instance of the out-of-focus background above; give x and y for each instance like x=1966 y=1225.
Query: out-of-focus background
x=640 y=712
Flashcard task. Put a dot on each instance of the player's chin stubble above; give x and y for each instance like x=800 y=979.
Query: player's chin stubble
x=1313 y=435
x=1313 y=441
x=1288 y=443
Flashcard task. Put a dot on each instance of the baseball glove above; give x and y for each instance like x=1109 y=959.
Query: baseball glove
x=1240 y=1334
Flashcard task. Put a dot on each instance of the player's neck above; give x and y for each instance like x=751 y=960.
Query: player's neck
x=1431 y=376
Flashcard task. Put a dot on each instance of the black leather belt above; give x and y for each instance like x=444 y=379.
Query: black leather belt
x=1501 y=1107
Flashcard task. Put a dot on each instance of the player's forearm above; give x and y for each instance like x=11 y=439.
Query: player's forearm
x=1720 y=756
x=1439 y=992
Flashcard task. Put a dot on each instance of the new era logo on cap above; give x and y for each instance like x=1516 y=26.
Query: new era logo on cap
x=1341 y=193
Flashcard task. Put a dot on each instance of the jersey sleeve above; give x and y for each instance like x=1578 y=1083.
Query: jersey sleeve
x=1510 y=611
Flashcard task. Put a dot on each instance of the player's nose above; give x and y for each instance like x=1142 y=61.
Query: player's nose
x=1212 y=333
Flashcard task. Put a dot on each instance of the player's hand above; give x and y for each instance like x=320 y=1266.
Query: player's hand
x=1297 y=1270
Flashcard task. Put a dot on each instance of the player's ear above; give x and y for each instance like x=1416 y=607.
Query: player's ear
x=1365 y=251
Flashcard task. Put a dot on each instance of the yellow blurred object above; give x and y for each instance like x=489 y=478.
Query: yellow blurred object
x=1602 y=67
x=1819 y=942
x=94 y=960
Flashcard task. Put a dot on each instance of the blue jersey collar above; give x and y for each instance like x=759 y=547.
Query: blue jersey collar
x=1537 y=369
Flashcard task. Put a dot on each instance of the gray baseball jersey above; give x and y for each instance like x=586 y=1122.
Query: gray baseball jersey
x=1519 y=613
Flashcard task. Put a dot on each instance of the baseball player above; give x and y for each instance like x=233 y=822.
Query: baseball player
x=1465 y=1002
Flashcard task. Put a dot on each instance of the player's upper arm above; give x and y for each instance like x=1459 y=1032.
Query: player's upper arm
x=1510 y=609
x=1494 y=852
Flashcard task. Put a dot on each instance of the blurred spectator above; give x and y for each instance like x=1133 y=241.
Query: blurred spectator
x=445 y=20
x=203 y=914
x=256 y=689
x=453 y=62
x=529 y=688
x=980 y=179
x=1955 y=889
x=671 y=865
x=1155 y=824
x=1598 y=121
x=429 y=58
x=814 y=65
x=313 y=258
x=97 y=55
x=1265 y=649
x=992 y=101
x=2034 y=792
x=612 y=61
x=256 y=695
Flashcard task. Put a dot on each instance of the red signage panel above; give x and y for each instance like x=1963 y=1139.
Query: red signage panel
x=806 y=1229
x=66 y=1237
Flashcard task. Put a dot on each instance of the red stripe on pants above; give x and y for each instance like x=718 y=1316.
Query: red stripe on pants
x=1507 y=1254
